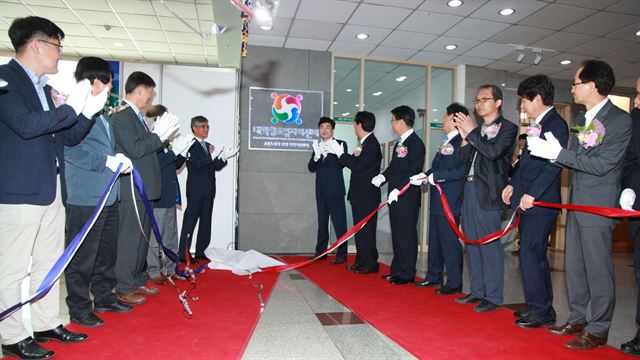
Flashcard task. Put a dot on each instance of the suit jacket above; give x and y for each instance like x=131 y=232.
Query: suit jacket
x=538 y=177
x=169 y=163
x=491 y=169
x=449 y=173
x=631 y=172
x=135 y=142
x=400 y=169
x=364 y=167
x=201 y=176
x=31 y=140
x=596 y=172
x=329 y=177
x=87 y=175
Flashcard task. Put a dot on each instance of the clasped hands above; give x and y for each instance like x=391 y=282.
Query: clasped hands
x=327 y=147
x=113 y=162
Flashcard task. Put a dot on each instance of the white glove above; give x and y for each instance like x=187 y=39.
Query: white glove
x=217 y=150
x=78 y=96
x=229 y=153
x=430 y=179
x=113 y=162
x=182 y=144
x=335 y=148
x=3 y=83
x=546 y=149
x=627 y=198
x=378 y=180
x=316 y=150
x=95 y=103
x=166 y=125
x=418 y=179
x=393 y=196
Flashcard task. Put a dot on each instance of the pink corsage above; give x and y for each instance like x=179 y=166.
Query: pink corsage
x=357 y=151
x=534 y=130
x=592 y=135
x=212 y=149
x=401 y=150
x=58 y=98
x=492 y=131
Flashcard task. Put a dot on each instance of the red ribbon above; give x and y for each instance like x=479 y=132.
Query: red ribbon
x=592 y=209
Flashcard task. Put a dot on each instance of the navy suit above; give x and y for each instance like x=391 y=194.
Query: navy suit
x=444 y=247
x=541 y=179
x=201 y=191
x=364 y=198
x=330 y=200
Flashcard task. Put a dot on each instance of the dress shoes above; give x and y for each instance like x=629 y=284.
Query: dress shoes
x=388 y=276
x=59 y=334
x=469 y=299
x=131 y=298
x=446 y=290
x=631 y=347
x=567 y=329
x=117 y=306
x=193 y=261
x=586 y=341
x=485 y=306
x=146 y=290
x=532 y=321
x=89 y=320
x=364 y=271
x=400 y=281
x=426 y=283
x=175 y=277
x=201 y=258
x=353 y=267
x=521 y=314
x=27 y=349
x=159 y=280
x=338 y=261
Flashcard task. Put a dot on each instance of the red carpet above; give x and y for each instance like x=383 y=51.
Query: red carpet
x=223 y=321
x=432 y=326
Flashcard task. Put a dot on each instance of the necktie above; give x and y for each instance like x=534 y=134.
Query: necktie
x=142 y=121
x=445 y=139
x=204 y=146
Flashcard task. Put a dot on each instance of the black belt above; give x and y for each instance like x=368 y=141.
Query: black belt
x=470 y=177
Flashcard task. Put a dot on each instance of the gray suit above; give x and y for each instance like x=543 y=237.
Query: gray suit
x=595 y=180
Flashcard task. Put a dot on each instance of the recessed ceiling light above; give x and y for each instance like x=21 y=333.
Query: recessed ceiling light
x=362 y=36
x=118 y=44
x=346 y=114
x=349 y=90
x=451 y=47
x=454 y=3
x=401 y=78
x=357 y=105
x=335 y=103
x=377 y=93
x=506 y=11
x=565 y=62
x=435 y=110
x=638 y=33
x=266 y=27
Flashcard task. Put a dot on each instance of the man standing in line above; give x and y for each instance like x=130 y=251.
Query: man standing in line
x=537 y=179
x=444 y=247
x=407 y=160
x=486 y=154
x=363 y=196
x=329 y=190
x=33 y=133
x=596 y=159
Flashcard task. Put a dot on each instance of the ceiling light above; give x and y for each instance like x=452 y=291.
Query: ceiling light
x=266 y=27
x=565 y=62
x=454 y=3
x=357 y=105
x=346 y=114
x=118 y=44
x=377 y=93
x=349 y=90
x=401 y=78
x=520 y=53
x=335 y=103
x=506 y=12
x=638 y=33
x=262 y=14
x=451 y=47
x=538 y=58
x=362 y=36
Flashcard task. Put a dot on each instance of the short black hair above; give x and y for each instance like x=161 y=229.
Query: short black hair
x=522 y=137
x=24 y=29
x=92 y=68
x=324 y=120
x=536 y=85
x=600 y=73
x=197 y=120
x=156 y=110
x=457 y=108
x=496 y=93
x=403 y=112
x=367 y=120
x=138 y=78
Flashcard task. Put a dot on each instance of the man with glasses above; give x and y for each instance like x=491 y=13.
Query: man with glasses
x=33 y=133
x=595 y=158
x=486 y=154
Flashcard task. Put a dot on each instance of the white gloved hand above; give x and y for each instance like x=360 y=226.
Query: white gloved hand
x=335 y=147
x=316 y=150
x=78 y=96
x=546 y=149
x=393 y=196
x=430 y=179
x=229 y=153
x=95 y=103
x=217 y=151
x=627 y=199
x=378 y=180
x=166 y=125
x=418 y=179
x=3 y=83
x=113 y=162
x=182 y=144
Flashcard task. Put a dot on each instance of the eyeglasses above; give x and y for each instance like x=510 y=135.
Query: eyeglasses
x=482 y=100
x=204 y=126
x=59 y=46
x=578 y=83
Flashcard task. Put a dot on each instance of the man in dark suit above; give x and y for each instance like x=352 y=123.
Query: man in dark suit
x=596 y=168
x=363 y=196
x=631 y=183
x=33 y=133
x=134 y=140
x=537 y=179
x=329 y=190
x=444 y=247
x=203 y=161
x=486 y=154
x=90 y=166
x=407 y=160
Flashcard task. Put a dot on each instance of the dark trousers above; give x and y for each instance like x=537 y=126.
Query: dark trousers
x=634 y=230
x=536 y=276
x=403 y=217
x=334 y=207
x=367 y=253
x=133 y=246
x=444 y=250
x=92 y=268
x=199 y=210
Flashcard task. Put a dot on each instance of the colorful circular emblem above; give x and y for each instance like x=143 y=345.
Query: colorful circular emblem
x=286 y=108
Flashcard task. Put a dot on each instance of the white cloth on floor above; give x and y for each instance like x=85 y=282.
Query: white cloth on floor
x=239 y=262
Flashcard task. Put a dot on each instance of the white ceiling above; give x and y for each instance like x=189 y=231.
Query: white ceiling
x=399 y=29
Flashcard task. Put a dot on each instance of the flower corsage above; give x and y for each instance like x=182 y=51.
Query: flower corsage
x=492 y=131
x=402 y=150
x=592 y=135
x=534 y=130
